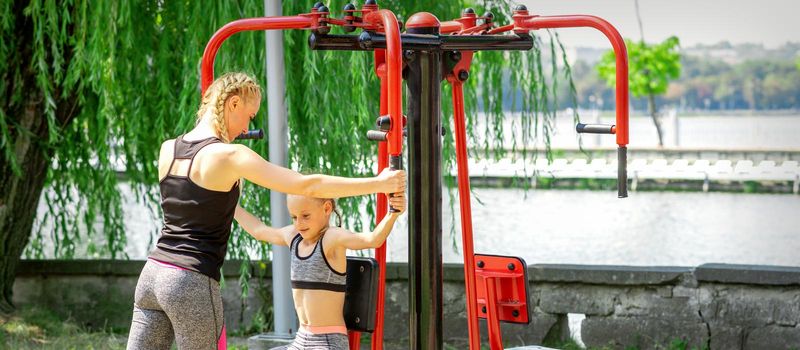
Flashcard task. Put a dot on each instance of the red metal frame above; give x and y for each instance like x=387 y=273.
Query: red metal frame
x=388 y=67
x=523 y=23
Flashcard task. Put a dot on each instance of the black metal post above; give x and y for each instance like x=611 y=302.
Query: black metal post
x=423 y=77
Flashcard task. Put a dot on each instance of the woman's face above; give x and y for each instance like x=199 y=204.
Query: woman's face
x=309 y=215
x=239 y=112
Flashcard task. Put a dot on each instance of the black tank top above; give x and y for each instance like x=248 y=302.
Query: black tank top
x=197 y=221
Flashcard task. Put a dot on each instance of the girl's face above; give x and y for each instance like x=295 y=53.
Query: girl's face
x=309 y=215
x=239 y=112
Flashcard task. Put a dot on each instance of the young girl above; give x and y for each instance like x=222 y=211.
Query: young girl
x=319 y=264
x=177 y=297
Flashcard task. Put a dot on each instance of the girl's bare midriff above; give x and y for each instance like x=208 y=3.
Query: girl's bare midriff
x=319 y=308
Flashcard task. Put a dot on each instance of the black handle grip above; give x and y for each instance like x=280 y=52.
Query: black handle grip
x=256 y=134
x=594 y=128
x=395 y=163
x=622 y=172
x=376 y=135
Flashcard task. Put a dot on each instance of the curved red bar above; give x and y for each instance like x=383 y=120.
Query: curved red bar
x=260 y=23
x=394 y=75
x=570 y=21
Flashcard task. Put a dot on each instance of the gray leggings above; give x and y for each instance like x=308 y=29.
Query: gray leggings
x=308 y=341
x=176 y=304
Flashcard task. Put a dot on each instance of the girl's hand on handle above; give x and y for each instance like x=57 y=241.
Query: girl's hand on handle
x=398 y=202
x=392 y=181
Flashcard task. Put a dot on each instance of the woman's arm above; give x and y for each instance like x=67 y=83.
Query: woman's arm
x=374 y=239
x=260 y=231
x=248 y=164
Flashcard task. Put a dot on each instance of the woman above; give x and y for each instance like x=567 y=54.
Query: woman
x=177 y=296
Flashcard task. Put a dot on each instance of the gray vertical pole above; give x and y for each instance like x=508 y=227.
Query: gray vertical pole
x=283 y=304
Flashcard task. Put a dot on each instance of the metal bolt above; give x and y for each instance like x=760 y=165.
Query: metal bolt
x=361 y=268
x=511 y=266
x=521 y=8
x=358 y=320
x=483 y=309
x=515 y=313
x=455 y=55
x=463 y=75
x=480 y=263
x=408 y=55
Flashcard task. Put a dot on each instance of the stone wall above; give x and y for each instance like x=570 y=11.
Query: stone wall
x=715 y=306
x=99 y=293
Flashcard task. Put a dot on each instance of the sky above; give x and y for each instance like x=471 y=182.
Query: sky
x=770 y=22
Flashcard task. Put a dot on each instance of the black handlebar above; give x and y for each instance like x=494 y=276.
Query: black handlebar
x=594 y=128
x=256 y=134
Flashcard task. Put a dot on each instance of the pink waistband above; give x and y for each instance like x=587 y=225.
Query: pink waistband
x=323 y=329
x=163 y=264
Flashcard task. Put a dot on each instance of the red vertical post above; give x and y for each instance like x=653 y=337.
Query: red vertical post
x=459 y=125
x=492 y=316
x=383 y=162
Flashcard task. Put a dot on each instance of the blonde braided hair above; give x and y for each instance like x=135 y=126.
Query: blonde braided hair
x=223 y=88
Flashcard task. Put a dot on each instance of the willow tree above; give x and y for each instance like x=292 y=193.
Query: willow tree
x=88 y=86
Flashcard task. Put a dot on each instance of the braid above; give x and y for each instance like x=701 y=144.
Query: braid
x=335 y=211
x=228 y=85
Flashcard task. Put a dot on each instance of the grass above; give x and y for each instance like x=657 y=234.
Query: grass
x=36 y=328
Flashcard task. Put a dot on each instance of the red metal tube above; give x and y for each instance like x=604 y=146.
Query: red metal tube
x=459 y=124
x=394 y=66
x=259 y=23
x=501 y=29
x=492 y=314
x=539 y=22
x=383 y=162
x=448 y=27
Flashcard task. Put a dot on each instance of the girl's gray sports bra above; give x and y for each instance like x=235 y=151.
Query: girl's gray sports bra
x=314 y=271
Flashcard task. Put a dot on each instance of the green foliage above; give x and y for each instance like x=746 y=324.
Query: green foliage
x=650 y=67
x=133 y=68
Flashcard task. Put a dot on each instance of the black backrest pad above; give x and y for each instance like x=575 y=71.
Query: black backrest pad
x=361 y=296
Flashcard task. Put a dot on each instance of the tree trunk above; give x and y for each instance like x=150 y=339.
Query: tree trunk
x=651 y=104
x=20 y=192
x=20 y=198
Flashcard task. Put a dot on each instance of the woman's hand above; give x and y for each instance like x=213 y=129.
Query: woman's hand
x=392 y=181
x=398 y=202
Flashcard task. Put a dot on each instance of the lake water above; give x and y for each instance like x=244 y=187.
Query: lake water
x=586 y=227
x=590 y=227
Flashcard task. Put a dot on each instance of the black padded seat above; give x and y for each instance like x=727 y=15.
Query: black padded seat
x=361 y=295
